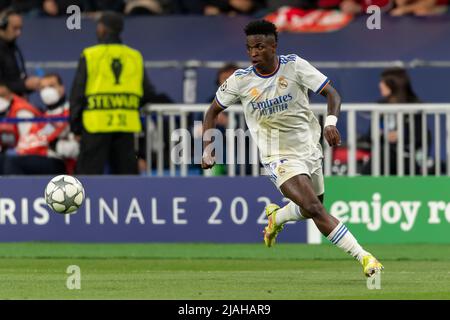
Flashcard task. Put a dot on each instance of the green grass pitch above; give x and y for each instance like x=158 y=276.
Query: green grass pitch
x=219 y=271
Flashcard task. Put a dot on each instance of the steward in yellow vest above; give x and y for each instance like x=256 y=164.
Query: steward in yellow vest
x=113 y=88
x=109 y=88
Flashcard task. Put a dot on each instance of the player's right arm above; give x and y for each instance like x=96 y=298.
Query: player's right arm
x=226 y=95
x=208 y=159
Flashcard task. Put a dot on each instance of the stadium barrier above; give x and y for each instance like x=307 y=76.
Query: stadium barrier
x=223 y=209
x=433 y=152
x=431 y=157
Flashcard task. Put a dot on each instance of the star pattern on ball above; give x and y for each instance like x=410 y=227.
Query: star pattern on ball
x=61 y=183
x=57 y=194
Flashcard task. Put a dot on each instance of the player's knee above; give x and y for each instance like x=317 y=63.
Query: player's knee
x=314 y=209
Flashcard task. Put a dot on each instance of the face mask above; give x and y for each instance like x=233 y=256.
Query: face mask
x=4 y=104
x=50 y=95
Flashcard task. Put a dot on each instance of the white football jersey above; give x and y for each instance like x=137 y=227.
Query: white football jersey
x=276 y=107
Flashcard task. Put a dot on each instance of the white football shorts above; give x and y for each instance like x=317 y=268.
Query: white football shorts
x=285 y=168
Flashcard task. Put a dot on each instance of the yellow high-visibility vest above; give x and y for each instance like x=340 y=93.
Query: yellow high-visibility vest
x=114 y=88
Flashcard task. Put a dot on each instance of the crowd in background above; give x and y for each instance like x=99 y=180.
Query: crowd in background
x=50 y=146
x=53 y=147
x=256 y=8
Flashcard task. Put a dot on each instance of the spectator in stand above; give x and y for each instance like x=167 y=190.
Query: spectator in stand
x=148 y=7
x=13 y=106
x=273 y=5
x=188 y=6
x=419 y=7
x=347 y=6
x=233 y=7
x=354 y=6
x=395 y=87
x=12 y=65
x=104 y=5
x=47 y=145
x=360 y=6
x=26 y=7
x=54 y=8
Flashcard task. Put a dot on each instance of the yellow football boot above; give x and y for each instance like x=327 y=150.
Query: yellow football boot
x=272 y=229
x=371 y=265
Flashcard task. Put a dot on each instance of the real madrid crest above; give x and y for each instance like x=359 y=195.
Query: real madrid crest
x=282 y=83
x=281 y=170
x=254 y=93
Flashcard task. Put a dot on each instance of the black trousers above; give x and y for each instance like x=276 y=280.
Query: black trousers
x=33 y=165
x=99 y=150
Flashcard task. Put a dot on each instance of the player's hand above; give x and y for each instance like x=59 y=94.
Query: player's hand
x=208 y=161
x=332 y=136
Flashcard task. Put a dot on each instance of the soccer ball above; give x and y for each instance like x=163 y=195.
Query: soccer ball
x=64 y=194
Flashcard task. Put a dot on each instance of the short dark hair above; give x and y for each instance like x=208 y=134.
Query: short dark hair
x=55 y=75
x=113 y=21
x=261 y=27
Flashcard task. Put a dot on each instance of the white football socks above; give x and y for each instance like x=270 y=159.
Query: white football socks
x=290 y=212
x=344 y=239
x=340 y=236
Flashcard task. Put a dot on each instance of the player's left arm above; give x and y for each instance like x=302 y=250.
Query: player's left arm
x=330 y=132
